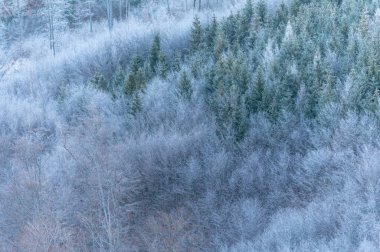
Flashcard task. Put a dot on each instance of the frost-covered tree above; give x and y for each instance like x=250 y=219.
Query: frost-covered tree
x=56 y=21
x=185 y=89
x=196 y=35
x=136 y=78
x=154 y=54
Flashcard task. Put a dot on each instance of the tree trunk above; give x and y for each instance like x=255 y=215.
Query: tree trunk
x=51 y=27
x=120 y=10
x=127 y=9
x=168 y=6
x=109 y=14
x=20 y=20
x=90 y=9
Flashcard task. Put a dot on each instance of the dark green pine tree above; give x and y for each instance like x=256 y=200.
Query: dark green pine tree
x=118 y=82
x=119 y=78
x=260 y=14
x=245 y=21
x=220 y=74
x=252 y=38
x=185 y=89
x=289 y=87
x=221 y=43
x=374 y=105
x=281 y=18
x=211 y=34
x=231 y=119
x=328 y=94
x=295 y=7
x=210 y=77
x=163 y=66
x=177 y=61
x=255 y=100
x=368 y=88
x=99 y=82
x=196 y=35
x=247 y=12
x=239 y=124
x=154 y=54
x=217 y=85
x=316 y=84
x=196 y=66
x=353 y=48
x=274 y=105
x=240 y=73
x=231 y=28
x=279 y=22
x=136 y=79
x=374 y=82
x=136 y=104
x=71 y=13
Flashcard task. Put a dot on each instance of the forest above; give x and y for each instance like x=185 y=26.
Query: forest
x=189 y=125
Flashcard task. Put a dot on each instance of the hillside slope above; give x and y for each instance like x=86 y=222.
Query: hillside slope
x=251 y=128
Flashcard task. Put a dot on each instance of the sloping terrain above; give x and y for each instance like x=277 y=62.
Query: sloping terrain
x=251 y=127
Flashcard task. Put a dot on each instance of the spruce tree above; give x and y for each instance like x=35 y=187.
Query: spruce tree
x=245 y=22
x=327 y=91
x=221 y=44
x=99 y=82
x=368 y=86
x=374 y=102
x=130 y=85
x=136 y=104
x=136 y=78
x=163 y=66
x=239 y=124
x=119 y=77
x=212 y=34
x=247 y=12
x=240 y=72
x=364 y=23
x=255 y=100
x=196 y=35
x=260 y=14
x=185 y=89
x=71 y=13
x=154 y=54
x=231 y=28
x=281 y=18
x=295 y=7
x=196 y=66
x=231 y=119
x=177 y=61
x=118 y=82
x=252 y=37
x=315 y=86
